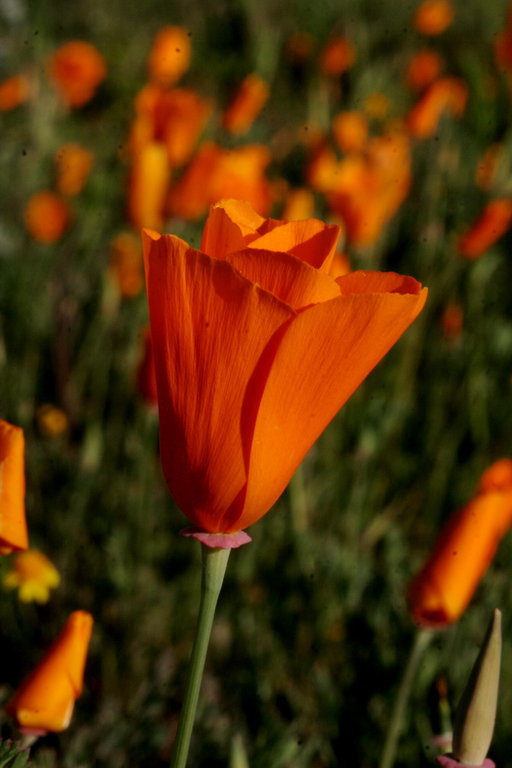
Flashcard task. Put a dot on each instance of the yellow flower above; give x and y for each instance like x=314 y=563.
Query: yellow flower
x=34 y=575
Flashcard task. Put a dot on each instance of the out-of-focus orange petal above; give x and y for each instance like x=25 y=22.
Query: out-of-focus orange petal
x=286 y=277
x=497 y=477
x=221 y=325
x=13 y=92
x=44 y=702
x=169 y=58
x=493 y=222
x=424 y=67
x=350 y=130
x=432 y=17
x=445 y=95
x=299 y=204
x=148 y=186
x=47 y=216
x=13 y=527
x=461 y=555
x=74 y=163
x=76 y=69
x=246 y=105
x=337 y=56
x=343 y=339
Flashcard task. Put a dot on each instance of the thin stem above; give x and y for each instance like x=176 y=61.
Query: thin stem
x=421 y=641
x=213 y=569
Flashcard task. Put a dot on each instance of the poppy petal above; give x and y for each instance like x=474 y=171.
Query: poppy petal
x=227 y=226
x=13 y=527
x=211 y=326
x=323 y=355
x=286 y=277
x=310 y=240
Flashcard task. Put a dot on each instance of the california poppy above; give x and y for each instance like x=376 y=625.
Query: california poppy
x=215 y=173
x=174 y=117
x=440 y=592
x=424 y=67
x=76 y=69
x=148 y=185
x=74 y=163
x=169 y=58
x=446 y=95
x=432 y=17
x=493 y=222
x=337 y=56
x=256 y=348
x=45 y=701
x=245 y=105
x=47 y=216
x=13 y=92
x=13 y=528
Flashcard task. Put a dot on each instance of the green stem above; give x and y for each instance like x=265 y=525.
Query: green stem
x=421 y=641
x=213 y=569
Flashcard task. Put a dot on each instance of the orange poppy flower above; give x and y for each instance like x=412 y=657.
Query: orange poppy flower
x=13 y=92
x=175 y=117
x=125 y=264
x=440 y=592
x=489 y=166
x=169 y=58
x=424 y=67
x=337 y=56
x=215 y=173
x=74 y=164
x=246 y=105
x=452 y=321
x=365 y=189
x=256 y=348
x=13 y=528
x=299 y=204
x=432 y=17
x=350 y=130
x=45 y=701
x=445 y=95
x=148 y=186
x=47 y=217
x=76 y=69
x=492 y=224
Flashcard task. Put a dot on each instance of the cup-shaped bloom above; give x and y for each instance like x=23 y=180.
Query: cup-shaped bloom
x=13 y=528
x=440 y=592
x=256 y=348
x=45 y=701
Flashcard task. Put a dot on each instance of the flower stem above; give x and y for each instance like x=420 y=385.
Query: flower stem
x=213 y=569
x=421 y=641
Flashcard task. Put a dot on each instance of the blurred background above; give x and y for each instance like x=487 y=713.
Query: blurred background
x=390 y=119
